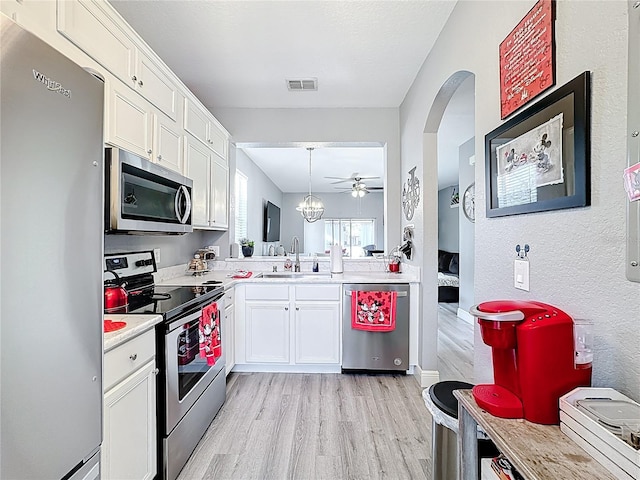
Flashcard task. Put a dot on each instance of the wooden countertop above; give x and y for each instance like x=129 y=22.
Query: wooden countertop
x=538 y=452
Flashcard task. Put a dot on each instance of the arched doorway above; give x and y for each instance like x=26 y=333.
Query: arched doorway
x=451 y=126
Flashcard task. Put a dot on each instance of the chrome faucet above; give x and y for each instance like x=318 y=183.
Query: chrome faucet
x=295 y=248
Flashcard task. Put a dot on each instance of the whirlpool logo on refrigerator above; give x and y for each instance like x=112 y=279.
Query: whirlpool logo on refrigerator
x=51 y=84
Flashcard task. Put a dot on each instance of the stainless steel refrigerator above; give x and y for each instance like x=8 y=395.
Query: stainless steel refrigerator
x=51 y=190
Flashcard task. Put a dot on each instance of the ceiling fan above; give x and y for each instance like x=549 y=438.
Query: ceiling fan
x=359 y=189
x=353 y=178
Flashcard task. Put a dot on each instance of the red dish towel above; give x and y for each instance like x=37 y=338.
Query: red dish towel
x=209 y=338
x=373 y=311
x=242 y=274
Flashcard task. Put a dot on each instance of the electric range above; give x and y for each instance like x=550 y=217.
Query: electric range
x=191 y=388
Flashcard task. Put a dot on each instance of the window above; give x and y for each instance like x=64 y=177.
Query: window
x=241 y=206
x=351 y=234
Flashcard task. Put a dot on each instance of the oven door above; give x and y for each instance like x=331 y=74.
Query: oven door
x=187 y=373
x=146 y=197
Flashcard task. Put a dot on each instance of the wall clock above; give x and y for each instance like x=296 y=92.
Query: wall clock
x=469 y=202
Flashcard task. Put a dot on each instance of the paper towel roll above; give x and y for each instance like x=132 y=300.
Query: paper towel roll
x=336 y=259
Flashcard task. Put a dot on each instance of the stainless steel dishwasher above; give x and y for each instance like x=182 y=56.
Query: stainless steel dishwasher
x=380 y=351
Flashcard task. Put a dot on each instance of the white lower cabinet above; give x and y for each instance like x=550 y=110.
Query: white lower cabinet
x=267 y=330
x=317 y=332
x=290 y=325
x=228 y=330
x=129 y=437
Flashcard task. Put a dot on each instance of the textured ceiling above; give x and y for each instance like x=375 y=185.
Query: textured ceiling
x=288 y=168
x=239 y=53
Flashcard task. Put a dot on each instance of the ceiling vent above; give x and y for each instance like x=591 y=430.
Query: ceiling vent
x=302 y=84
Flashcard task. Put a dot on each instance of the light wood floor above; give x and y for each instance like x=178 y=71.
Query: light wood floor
x=455 y=345
x=329 y=426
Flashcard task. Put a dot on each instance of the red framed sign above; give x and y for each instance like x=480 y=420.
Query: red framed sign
x=527 y=58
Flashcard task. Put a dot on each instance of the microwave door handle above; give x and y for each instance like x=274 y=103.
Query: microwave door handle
x=182 y=191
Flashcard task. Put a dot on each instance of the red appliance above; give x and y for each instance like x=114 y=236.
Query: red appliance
x=116 y=298
x=534 y=359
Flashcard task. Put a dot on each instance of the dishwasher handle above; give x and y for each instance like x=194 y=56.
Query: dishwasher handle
x=347 y=293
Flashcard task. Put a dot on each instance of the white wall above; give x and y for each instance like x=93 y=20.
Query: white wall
x=466 y=229
x=448 y=227
x=260 y=189
x=327 y=125
x=577 y=255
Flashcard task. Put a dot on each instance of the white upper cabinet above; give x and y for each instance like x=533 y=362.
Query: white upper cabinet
x=167 y=144
x=218 y=211
x=203 y=126
x=155 y=86
x=88 y=27
x=132 y=125
x=86 y=24
x=127 y=120
x=198 y=169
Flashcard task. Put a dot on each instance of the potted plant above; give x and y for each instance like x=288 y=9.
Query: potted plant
x=247 y=247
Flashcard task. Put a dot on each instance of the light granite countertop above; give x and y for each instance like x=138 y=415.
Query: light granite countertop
x=136 y=324
x=307 y=277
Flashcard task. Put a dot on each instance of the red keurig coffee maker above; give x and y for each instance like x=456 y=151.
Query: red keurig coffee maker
x=534 y=359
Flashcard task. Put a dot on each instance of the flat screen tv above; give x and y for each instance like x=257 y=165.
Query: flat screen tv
x=271 y=223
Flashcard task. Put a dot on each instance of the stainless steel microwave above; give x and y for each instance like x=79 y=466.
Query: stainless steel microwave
x=144 y=197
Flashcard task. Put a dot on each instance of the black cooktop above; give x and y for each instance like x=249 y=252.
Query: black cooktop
x=172 y=302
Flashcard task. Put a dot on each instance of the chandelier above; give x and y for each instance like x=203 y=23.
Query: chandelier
x=311 y=207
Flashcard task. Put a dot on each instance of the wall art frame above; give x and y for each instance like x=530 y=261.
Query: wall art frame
x=540 y=160
x=528 y=58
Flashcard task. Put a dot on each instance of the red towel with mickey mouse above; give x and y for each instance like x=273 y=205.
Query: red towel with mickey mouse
x=373 y=311
x=209 y=338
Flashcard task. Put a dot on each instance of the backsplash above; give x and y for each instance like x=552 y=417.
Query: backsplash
x=265 y=264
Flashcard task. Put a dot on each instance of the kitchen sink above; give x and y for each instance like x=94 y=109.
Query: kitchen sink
x=285 y=275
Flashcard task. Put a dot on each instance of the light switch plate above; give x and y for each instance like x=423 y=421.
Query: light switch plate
x=521 y=274
x=156 y=254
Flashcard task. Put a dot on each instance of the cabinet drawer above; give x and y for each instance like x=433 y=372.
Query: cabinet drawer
x=229 y=297
x=267 y=292
x=128 y=357
x=318 y=292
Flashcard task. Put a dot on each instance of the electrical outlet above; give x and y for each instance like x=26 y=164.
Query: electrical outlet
x=521 y=274
x=216 y=250
x=156 y=254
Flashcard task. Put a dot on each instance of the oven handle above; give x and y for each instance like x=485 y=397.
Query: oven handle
x=182 y=192
x=195 y=316
x=192 y=316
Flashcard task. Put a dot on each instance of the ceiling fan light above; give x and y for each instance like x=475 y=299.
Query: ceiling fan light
x=354 y=193
x=362 y=193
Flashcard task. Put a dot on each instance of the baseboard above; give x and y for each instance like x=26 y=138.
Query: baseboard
x=466 y=316
x=426 y=378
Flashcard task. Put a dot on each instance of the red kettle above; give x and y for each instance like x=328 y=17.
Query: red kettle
x=116 y=298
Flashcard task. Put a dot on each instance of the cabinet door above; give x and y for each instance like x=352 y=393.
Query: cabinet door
x=85 y=25
x=218 y=140
x=196 y=121
x=167 y=144
x=128 y=120
x=317 y=332
x=198 y=164
x=129 y=444
x=228 y=338
x=267 y=332
x=155 y=86
x=219 y=191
